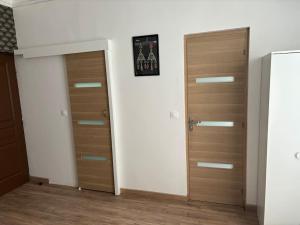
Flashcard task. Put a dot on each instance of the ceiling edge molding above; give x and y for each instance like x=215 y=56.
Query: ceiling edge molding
x=6 y=3
x=20 y=3
x=64 y=48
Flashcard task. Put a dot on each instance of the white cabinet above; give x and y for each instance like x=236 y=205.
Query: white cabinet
x=279 y=148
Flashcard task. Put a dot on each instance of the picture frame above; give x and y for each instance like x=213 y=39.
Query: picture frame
x=146 y=55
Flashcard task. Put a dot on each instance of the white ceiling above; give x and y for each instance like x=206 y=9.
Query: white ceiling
x=16 y=3
x=6 y=2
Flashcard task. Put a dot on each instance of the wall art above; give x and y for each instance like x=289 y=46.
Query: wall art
x=146 y=55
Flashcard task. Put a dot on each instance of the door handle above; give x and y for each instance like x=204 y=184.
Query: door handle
x=105 y=113
x=192 y=123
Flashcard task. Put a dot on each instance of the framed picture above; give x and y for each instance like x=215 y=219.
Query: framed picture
x=146 y=55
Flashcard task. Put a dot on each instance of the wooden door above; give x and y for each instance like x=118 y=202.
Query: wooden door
x=13 y=158
x=90 y=116
x=216 y=96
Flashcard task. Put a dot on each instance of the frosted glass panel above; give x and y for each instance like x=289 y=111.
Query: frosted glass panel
x=226 y=166
x=94 y=158
x=88 y=85
x=215 y=124
x=208 y=80
x=91 y=122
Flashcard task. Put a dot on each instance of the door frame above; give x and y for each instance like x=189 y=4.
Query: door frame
x=186 y=37
x=80 y=47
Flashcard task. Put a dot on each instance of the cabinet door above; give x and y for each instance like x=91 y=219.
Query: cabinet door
x=283 y=167
x=13 y=158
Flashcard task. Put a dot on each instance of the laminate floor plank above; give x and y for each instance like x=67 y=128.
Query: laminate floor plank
x=33 y=204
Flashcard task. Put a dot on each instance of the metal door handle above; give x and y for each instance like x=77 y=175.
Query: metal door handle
x=104 y=113
x=192 y=123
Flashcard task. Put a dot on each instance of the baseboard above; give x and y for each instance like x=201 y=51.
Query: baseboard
x=39 y=180
x=251 y=208
x=45 y=181
x=152 y=195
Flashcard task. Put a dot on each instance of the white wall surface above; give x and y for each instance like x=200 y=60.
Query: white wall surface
x=49 y=141
x=153 y=153
x=6 y=2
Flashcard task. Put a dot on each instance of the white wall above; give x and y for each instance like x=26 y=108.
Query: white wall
x=6 y=2
x=49 y=141
x=153 y=153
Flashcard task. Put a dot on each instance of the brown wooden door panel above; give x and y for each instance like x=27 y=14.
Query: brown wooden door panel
x=216 y=174
x=89 y=107
x=95 y=178
x=7 y=136
x=231 y=68
x=88 y=92
x=217 y=54
x=8 y=153
x=224 y=98
x=215 y=116
x=217 y=88
x=13 y=158
x=96 y=140
x=92 y=142
x=93 y=148
x=97 y=186
x=95 y=175
x=101 y=131
x=95 y=165
x=6 y=107
x=212 y=108
x=89 y=115
x=81 y=99
x=216 y=156
x=90 y=65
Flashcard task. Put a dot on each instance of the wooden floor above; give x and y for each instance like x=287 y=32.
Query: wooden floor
x=50 y=205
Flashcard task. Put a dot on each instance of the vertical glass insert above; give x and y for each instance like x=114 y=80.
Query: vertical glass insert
x=91 y=122
x=88 y=85
x=227 y=166
x=208 y=80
